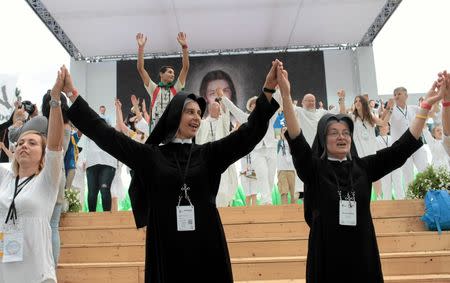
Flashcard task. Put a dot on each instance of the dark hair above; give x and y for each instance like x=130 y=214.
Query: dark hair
x=366 y=114
x=217 y=75
x=163 y=69
x=45 y=108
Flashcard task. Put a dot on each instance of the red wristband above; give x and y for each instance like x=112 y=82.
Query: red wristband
x=425 y=105
x=184 y=46
x=445 y=103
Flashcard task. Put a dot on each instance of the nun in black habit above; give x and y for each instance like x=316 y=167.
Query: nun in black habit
x=342 y=244
x=176 y=182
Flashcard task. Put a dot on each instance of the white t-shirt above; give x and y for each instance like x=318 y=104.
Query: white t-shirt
x=401 y=120
x=34 y=205
x=284 y=157
x=94 y=155
x=308 y=122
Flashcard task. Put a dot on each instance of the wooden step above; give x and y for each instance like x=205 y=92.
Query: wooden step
x=230 y=215
x=256 y=247
x=432 y=278
x=274 y=268
x=415 y=263
x=120 y=272
x=122 y=233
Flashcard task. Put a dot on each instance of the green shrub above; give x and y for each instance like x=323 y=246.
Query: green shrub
x=72 y=197
x=431 y=178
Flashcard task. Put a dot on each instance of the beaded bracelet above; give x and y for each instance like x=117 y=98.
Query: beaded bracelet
x=445 y=103
x=425 y=105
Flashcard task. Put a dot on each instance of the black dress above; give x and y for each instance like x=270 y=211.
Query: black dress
x=339 y=253
x=172 y=256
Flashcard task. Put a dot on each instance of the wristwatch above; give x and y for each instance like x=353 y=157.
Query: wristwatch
x=54 y=103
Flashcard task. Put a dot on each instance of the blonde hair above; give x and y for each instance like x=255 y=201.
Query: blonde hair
x=15 y=164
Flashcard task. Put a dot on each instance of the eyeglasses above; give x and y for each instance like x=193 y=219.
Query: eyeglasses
x=335 y=134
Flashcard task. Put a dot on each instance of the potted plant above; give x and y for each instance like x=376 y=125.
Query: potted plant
x=73 y=200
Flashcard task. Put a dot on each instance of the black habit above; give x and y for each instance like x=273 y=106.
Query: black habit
x=339 y=253
x=172 y=256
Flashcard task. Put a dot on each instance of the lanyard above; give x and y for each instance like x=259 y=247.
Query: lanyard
x=12 y=212
x=348 y=197
x=249 y=159
x=184 y=188
x=405 y=114
x=212 y=131
x=364 y=125
x=282 y=146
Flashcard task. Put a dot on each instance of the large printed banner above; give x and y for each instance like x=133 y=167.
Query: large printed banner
x=241 y=76
x=7 y=96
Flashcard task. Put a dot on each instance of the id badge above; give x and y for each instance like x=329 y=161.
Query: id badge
x=12 y=246
x=185 y=218
x=347 y=213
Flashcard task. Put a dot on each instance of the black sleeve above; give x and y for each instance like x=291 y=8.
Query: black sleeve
x=229 y=149
x=301 y=156
x=106 y=137
x=391 y=158
x=8 y=123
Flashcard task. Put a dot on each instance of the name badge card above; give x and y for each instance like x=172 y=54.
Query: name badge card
x=347 y=213
x=12 y=246
x=185 y=218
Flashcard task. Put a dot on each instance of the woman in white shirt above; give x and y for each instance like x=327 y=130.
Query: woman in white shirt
x=27 y=197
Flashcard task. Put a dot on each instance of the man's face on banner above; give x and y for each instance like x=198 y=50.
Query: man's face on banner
x=211 y=90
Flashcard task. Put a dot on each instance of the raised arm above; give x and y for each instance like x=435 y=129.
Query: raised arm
x=135 y=103
x=6 y=150
x=240 y=115
x=185 y=57
x=55 y=122
x=224 y=112
x=239 y=143
x=341 y=95
x=293 y=125
x=387 y=116
x=107 y=138
x=145 y=112
x=436 y=92
x=119 y=118
x=141 y=41
x=445 y=105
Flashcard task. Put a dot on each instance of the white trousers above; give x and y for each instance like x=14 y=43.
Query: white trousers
x=265 y=166
x=418 y=159
x=392 y=181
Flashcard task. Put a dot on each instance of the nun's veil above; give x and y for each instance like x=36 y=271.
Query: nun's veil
x=167 y=126
x=320 y=141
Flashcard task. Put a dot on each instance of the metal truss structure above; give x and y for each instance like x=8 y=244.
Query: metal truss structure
x=379 y=22
x=367 y=39
x=55 y=29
